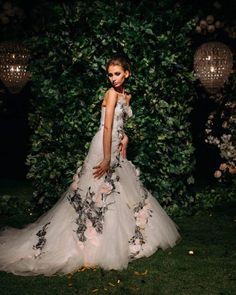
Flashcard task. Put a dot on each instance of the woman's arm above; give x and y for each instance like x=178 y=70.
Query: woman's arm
x=124 y=141
x=123 y=145
x=108 y=122
x=102 y=168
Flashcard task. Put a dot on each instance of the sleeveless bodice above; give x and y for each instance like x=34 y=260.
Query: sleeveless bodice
x=121 y=114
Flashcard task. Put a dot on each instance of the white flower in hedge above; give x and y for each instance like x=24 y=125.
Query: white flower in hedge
x=190 y=180
x=225 y=124
x=217 y=174
x=232 y=169
x=223 y=166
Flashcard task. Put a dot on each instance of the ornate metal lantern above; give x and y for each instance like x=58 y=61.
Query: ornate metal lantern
x=213 y=62
x=13 y=65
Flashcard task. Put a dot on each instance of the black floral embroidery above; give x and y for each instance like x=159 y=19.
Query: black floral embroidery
x=89 y=205
x=125 y=112
x=120 y=116
x=137 y=236
x=109 y=176
x=41 y=239
x=91 y=212
x=142 y=212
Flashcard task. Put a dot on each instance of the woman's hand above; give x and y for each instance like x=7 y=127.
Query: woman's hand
x=123 y=145
x=101 y=168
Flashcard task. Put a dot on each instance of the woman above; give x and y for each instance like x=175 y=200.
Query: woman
x=106 y=218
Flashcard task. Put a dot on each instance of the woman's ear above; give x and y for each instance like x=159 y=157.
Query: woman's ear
x=127 y=74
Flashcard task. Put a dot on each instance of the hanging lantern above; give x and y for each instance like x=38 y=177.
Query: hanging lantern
x=213 y=62
x=13 y=66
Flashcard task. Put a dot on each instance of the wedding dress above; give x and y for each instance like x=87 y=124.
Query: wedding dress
x=104 y=222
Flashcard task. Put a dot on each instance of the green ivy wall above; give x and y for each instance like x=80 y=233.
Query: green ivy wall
x=69 y=80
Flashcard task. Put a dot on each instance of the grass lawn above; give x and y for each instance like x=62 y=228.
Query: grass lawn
x=210 y=270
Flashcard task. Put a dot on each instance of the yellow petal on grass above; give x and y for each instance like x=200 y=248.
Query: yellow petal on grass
x=87 y=266
x=111 y=284
x=95 y=290
x=137 y=273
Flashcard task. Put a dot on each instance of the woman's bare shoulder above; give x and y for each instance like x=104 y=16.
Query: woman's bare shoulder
x=111 y=91
x=110 y=95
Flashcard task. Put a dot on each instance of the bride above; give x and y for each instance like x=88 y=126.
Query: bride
x=106 y=218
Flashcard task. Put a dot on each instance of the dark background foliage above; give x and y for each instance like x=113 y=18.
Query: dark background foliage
x=69 y=81
x=70 y=42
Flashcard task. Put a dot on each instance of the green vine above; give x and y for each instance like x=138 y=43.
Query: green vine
x=68 y=81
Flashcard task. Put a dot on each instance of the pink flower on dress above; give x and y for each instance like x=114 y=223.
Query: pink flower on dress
x=106 y=188
x=142 y=215
x=147 y=206
x=81 y=245
x=140 y=221
x=137 y=242
x=74 y=186
x=91 y=233
x=98 y=200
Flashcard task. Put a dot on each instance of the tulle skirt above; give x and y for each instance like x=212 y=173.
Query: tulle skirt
x=103 y=223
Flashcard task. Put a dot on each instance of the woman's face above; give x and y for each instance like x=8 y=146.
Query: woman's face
x=117 y=75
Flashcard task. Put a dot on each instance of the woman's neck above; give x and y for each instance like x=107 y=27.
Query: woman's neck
x=120 y=90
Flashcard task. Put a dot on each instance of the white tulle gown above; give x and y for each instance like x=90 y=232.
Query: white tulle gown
x=105 y=223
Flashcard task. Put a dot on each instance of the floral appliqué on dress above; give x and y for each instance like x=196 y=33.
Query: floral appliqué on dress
x=41 y=240
x=142 y=212
x=92 y=207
